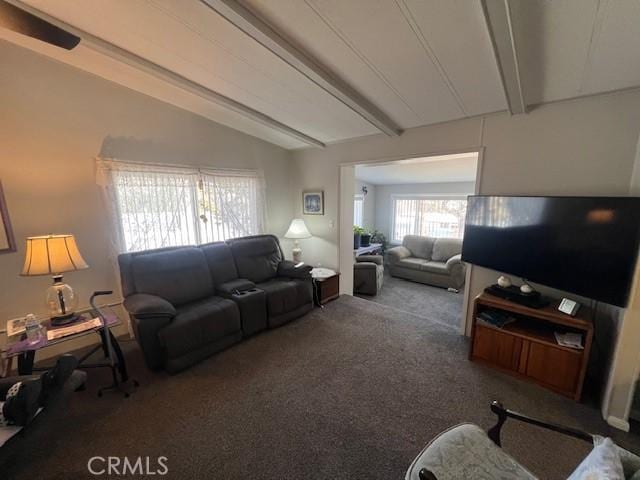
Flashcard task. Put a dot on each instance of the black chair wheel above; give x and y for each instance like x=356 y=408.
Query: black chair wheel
x=126 y=395
x=136 y=384
x=100 y=393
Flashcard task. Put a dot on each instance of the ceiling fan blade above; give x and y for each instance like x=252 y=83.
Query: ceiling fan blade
x=18 y=20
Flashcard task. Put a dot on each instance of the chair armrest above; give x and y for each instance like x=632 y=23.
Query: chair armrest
x=503 y=414
x=237 y=285
x=377 y=259
x=143 y=305
x=365 y=266
x=287 y=268
x=398 y=253
x=453 y=261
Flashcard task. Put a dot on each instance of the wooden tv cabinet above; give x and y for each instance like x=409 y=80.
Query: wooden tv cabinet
x=527 y=347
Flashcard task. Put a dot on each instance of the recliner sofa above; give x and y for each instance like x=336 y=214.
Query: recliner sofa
x=434 y=261
x=187 y=303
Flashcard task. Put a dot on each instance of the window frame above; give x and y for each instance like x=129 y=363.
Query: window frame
x=418 y=196
x=358 y=197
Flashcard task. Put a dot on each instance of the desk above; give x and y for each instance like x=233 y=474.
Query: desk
x=371 y=249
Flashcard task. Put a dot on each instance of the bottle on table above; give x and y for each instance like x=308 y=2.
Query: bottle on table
x=32 y=327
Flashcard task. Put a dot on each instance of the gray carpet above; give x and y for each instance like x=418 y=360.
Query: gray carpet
x=423 y=300
x=352 y=391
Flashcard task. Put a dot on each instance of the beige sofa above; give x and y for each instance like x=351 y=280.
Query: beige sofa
x=434 y=261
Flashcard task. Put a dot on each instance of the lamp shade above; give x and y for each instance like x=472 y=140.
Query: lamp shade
x=52 y=254
x=297 y=229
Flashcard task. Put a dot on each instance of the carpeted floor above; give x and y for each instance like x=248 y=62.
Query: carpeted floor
x=352 y=391
x=434 y=303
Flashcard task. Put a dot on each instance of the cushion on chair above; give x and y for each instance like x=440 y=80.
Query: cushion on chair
x=420 y=247
x=285 y=295
x=445 y=248
x=179 y=276
x=436 y=267
x=465 y=452
x=199 y=323
x=412 y=263
x=257 y=258
x=602 y=463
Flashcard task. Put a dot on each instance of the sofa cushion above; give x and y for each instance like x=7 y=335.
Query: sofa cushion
x=179 y=276
x=420 y=247
x=199 y=323
x=445 y=248
x=285 y=295
x=412 y=263
x=222 y=265
x=465 y=451
x=257 y=258
x=436 y=267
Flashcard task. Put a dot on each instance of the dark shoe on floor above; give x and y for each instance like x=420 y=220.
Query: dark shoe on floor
x=54 y=379
x=20 y=408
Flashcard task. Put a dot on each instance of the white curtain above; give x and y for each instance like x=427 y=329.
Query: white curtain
x=154 y=206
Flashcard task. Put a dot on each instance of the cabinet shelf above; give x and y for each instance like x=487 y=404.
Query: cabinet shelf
x=527 y=347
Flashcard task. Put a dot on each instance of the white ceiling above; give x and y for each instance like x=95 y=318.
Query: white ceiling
x=437 y=169
x=418 y=61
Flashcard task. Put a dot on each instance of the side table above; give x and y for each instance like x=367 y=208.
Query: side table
x=325 y=288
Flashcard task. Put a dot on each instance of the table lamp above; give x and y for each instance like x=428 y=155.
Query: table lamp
x=297 y=230
x=53 y=255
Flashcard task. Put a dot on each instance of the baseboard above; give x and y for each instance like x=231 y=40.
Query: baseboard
x=618 y=423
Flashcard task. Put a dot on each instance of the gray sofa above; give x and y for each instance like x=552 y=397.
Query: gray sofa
x=187 y=303
x=368 y=274
x=434 y=261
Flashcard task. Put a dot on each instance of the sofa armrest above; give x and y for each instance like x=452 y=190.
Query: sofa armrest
x=377 y=259
x=287 y=268
x=149 y=314
x=143 y=305
x=237 y=285
x=398 y=253
x=453 y=261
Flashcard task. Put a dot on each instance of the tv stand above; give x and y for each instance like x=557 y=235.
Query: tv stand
x=527 y=348
x=513 y=294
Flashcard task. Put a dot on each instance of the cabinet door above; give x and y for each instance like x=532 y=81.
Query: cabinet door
x=497 y=348
x=558 y=368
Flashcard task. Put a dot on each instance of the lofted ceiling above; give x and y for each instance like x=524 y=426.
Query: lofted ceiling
x=437 y=169
x=313 y=72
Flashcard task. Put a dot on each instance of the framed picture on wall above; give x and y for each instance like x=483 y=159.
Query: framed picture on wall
x=7 y=242
x=313 y=203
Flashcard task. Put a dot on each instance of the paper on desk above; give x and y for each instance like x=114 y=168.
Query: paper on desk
x=56 y=333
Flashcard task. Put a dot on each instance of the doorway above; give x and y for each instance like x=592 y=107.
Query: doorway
x=403 y=208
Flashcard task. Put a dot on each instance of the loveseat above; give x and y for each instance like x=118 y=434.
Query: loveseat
x=434 y=261
x=187 y=303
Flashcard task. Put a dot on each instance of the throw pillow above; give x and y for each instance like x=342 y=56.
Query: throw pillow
x=603 y=463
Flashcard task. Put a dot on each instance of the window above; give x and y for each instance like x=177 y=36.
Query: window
x=358 y=209
x=156 y=206
x=432 y=216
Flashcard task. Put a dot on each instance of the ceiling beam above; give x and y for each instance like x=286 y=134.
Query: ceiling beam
x=264 y=34
x=175 y=79
x=497 y=15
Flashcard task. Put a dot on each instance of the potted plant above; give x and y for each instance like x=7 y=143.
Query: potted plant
x=365 y=239
x=357 y=236
x=378 y=237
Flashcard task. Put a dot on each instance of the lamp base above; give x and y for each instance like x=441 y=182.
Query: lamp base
x=297 y=254
x=64 y=319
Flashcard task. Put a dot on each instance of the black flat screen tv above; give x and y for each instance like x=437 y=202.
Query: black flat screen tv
x=584 y=245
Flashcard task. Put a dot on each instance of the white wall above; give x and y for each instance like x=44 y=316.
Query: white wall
x=384 y=193
x=55 y=120
x=580 y=147
x=369 y=204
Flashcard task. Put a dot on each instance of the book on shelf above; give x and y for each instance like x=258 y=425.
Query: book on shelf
x=568 y=339
x=496 y=318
